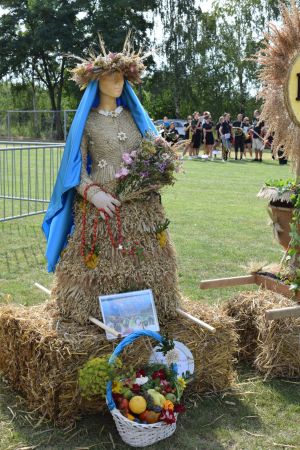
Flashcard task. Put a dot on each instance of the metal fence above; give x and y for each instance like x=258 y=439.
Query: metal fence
x=42 y=124
x=27 y=175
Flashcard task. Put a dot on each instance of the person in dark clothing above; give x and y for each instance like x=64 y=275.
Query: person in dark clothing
x=197 y=135
x=208 y=136
x=172 y=134
x=225 y=132
x=239 y=137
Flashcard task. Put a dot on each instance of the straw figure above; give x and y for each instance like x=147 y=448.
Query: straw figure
x=116 y=245
x=106 y=233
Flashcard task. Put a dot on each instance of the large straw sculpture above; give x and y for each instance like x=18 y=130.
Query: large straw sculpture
x=281 y=45
x=41 y=354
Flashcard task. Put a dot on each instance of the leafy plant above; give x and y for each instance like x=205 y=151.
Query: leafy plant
x=95 y=374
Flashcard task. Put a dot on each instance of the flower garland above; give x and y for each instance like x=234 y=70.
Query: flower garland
x=92 y=257
x=89 y=259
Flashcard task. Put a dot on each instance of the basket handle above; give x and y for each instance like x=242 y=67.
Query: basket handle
x=126 y=341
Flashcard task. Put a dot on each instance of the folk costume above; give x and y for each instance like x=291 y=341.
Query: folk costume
x=91 y=256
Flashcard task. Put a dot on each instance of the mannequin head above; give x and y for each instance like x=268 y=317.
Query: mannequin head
x=111 y=84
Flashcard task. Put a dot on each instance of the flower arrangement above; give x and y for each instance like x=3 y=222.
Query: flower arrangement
x=149 y=394
x=128 y=62
x=149 y=168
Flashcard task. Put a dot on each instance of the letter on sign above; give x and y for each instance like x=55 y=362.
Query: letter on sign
x=292 y=90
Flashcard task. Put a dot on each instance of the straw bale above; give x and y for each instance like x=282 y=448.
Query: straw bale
x=278 y=351
x=245 y=309
x=273 y=347
x=42 y=354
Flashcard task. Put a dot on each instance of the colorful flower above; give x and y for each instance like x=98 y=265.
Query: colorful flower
x=162 y=238
x=91 y=261
x=122 y=173
x=141 y=380
x=140 y=373
x=178 y=408
x=161 y=374
x=133 y=154
x=182 y=383
x=127 y=158
x=117 y=387
x=168 y=416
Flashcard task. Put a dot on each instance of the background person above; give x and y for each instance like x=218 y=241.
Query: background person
x=239 y=138
x=188 y=134
x=225 y=132
x=248 y=140
x=197 y=134
x=172 y=134
x=257 y=139
x=208 y=136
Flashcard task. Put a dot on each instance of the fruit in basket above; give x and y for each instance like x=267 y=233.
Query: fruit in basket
x=127 y=394
x=149 y=416
x=158 y=399
x=168 y=405
x=171 y=397
x=130 y=416
x=152 y=417
x=137 y=404
x=124 y=404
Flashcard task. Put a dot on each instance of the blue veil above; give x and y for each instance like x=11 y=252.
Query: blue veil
x=58 y=221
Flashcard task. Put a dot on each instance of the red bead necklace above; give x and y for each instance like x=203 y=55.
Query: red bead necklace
x=115 y=243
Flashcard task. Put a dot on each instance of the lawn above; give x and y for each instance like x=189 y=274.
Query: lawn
x=218 y=226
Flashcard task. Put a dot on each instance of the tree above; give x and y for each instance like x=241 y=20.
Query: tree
x=35 y=37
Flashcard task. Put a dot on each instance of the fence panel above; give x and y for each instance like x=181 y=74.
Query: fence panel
x=27 y=176
x=40 y=124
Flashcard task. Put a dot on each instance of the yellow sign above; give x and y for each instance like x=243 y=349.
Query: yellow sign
x=292 y=90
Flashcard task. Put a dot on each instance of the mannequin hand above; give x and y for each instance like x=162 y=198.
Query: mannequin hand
x=105 y=201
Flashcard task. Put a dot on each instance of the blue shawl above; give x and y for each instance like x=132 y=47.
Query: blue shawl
x=58 y=221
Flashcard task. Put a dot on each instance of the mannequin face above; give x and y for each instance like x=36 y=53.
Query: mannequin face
x=111 y=84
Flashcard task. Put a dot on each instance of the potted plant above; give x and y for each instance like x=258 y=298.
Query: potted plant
x=284 y=211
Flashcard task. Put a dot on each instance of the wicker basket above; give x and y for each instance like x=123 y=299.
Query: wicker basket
x=136 y=434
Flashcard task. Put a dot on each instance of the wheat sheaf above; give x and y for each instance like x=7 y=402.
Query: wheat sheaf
x=280 y=47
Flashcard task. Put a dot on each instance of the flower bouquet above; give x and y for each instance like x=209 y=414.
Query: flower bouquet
x=144 y=401
x=147 y=169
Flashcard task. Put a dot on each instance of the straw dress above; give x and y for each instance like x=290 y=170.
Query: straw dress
x=76 y=288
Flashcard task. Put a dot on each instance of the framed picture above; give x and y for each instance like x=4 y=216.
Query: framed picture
x=128 y=312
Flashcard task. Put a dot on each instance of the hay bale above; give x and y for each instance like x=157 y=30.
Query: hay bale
x=273 y=347
x=278 y=350
x=42 y=354
x=214 y=353
x=245 y=308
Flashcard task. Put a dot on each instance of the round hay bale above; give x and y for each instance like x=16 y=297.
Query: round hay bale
x=42 y=355
x=245 y=308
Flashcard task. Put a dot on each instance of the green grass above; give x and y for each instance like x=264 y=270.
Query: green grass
x=218 y=226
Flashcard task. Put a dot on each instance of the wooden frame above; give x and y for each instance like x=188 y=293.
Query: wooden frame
x=266 y=282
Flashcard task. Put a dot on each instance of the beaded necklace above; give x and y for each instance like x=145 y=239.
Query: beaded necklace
x=117 y=244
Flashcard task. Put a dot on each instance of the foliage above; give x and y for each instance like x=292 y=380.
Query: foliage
x=36 y=36
x=95 y=374
x=282 y=185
